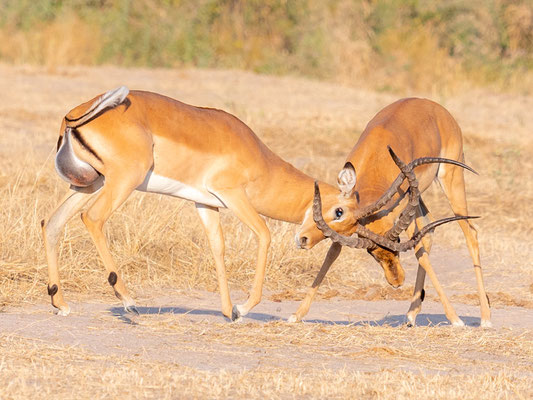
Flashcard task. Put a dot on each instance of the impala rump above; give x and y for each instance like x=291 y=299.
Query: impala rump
x=70 y=167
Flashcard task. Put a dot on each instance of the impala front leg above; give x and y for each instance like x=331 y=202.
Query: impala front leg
x=422 y=217
x=333 y=254
x=237 y=201
x=210 y=218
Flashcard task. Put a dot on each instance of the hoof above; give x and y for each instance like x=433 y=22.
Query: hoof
x=409 y=324
x=62 y=311
x=485 y=323
x=131 y=309
x=235 y=314
x=293 y=319
x=459 y=323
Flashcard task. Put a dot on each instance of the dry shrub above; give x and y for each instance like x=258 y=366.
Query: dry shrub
x=518 y=19
x=65 y=41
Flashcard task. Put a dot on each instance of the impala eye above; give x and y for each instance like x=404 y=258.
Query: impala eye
x=338 y=213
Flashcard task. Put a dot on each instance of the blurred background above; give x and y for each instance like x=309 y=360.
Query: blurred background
x=438 y=47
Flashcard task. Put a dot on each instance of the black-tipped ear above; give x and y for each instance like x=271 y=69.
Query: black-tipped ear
x=349 y=165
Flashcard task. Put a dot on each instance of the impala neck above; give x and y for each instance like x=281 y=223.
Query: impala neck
x=286 y=193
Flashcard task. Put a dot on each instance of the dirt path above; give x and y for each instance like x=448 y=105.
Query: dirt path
x=170 y=329
x=186 y=327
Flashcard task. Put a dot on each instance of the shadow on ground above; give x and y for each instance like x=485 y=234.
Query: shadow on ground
x=389 y=320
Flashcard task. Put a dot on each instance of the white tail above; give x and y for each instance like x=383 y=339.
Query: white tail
x=108 y=100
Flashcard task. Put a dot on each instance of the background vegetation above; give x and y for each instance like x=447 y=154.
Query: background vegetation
x=430 y=45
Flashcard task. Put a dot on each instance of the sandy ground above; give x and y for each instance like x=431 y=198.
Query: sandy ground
x=179 y=326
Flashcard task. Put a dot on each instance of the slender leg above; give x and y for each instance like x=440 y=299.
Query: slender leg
x=422 y=254
x=423 y=260
x=452 y=182
x=331 y=256
x=210 y=218
x=237 y=201
x=422 y=217
x=51 y=229
x=112 y=195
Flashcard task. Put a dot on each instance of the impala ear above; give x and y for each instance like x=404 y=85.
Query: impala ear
x=346 y=179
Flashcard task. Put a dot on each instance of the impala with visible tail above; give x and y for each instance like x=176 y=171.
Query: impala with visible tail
x=123 y=141
x=375 y=207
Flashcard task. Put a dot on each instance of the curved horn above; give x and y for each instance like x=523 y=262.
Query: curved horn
x=350 y=241
x=395 y=246
x=393 y=189
x=408 y=214
x=367 y=239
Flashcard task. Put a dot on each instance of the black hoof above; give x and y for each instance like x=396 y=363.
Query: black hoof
x=409 y=325
x=132 y=310
x=235 y=313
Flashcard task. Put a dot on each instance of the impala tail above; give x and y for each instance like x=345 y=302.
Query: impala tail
x=68 y=165
x=108 y=100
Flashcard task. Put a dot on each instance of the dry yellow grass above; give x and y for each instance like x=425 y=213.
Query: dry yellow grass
x=30 y=367
x=158 y=242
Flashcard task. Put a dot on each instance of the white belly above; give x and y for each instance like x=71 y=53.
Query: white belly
x=154 y=183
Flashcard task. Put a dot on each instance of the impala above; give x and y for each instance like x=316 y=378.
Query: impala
x=123 y=141
x=374 y=207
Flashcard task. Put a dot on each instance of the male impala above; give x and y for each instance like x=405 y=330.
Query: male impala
x=123 y=141
x=374 y=207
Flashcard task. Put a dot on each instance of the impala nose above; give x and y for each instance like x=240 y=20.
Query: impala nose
x=302 y=242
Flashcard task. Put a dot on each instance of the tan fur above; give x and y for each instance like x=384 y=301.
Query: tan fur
x=413 y=128
x=208 y=150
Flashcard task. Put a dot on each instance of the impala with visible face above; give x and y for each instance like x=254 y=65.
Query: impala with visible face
x=375 y=207
x=123 y=141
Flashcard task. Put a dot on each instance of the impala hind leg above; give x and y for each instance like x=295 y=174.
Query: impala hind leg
x=452 y=182
x=237 y=201
x=51 y=229
x=331 y=256
x=210 y=218
x=112 y=195
x=419 y=293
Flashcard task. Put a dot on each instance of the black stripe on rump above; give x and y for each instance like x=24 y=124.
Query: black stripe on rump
x=84 y=144
x=59 y=141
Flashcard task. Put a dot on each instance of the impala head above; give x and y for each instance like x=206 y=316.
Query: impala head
x=341 y=213
x=338 y=210
x=339 y=218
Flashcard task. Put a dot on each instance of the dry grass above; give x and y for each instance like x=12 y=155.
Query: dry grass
x=158 y=242
x=29 y=367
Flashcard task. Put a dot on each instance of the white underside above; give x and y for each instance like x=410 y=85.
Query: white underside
x=154 y=183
